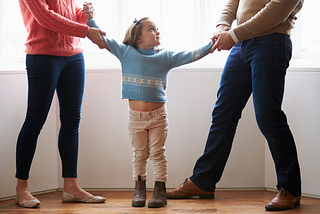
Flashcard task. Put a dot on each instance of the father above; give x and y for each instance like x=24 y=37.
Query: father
x=257 y=64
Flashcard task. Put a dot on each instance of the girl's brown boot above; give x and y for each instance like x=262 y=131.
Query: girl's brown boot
x=159 y=198
x=139 y=198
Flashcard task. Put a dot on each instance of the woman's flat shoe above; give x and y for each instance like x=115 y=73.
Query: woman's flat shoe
x=67 y=197
x=34 y=203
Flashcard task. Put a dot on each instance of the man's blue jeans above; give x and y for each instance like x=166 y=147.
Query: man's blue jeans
x=256 y=66
x=45 y=75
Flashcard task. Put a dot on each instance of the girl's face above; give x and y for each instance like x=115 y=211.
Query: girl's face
x=149 y=35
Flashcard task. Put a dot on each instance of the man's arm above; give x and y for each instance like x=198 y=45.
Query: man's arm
x=271 y=15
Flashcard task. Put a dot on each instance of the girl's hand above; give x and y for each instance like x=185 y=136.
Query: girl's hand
x=88 y=10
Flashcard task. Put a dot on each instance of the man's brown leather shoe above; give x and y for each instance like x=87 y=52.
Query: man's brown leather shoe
x=283 y=201
x=187 y=190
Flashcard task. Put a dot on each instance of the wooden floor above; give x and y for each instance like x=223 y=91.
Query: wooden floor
x=225 y=202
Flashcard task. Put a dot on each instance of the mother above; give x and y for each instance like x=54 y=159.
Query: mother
x=54 y=61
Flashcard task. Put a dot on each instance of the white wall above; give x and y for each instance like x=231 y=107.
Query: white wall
x=105 y=152
x=191 y=96
x=43 y=176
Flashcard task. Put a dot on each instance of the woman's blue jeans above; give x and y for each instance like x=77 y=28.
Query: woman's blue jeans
x=256 y=66
x=45 y=75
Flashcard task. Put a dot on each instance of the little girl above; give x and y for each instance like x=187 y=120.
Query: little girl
x=144 y=83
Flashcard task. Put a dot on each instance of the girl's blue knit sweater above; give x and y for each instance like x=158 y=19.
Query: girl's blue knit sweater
x=145 y=72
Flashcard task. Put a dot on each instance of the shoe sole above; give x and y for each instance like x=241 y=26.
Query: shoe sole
x=138 y=205
x=269 y=208
x=209 y=196
x=156 y=206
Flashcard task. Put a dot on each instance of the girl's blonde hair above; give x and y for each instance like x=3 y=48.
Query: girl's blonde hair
x=134 y=32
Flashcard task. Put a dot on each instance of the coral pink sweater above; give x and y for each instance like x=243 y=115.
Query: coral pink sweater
x=53 y=27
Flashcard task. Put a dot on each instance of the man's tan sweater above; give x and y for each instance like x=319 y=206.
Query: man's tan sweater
x=260 y=17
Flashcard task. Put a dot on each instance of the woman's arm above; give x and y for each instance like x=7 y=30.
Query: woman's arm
x=81 y=18
x=45 y=16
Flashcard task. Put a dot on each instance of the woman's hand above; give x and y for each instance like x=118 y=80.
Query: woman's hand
x=88 y=10
x=94 y=35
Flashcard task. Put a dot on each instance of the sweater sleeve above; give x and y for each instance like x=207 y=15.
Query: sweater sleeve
x=229 y=11
x=185 y=57
x=80 y=16
x=115 y=48
x=264 y=17
x=274 y=13
x=53 y=21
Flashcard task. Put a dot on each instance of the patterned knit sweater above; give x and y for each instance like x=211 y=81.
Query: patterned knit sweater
x=53 y=27
x=144 y=72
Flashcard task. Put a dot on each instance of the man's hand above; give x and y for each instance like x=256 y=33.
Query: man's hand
x=94 y=35
x=88 y=10
x=221 y=28
x=222 y=39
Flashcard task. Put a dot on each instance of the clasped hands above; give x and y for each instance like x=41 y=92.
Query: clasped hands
x=93 y=34
x=222 y=39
